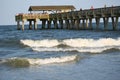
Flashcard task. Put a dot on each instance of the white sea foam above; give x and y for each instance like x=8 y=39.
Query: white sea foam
x=25 y=62
x=40 y=43
x=52 y=60
x=80 y=45
x=91 y=50
x=104 y=42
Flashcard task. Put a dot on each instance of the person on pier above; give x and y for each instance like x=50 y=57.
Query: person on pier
x=92 y=8
x=80 y=9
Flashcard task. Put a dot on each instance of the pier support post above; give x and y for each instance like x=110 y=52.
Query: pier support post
x=83 y=24
x=48 y=24
x=23 y=25
x=105 y=19
x=61 y=24
x=18 y=25
x=80 y=24
x=77 y=22
x=114 y=23
x=43 y=24
x=86 y=23
x=67 y=24
x=55 y=24
x=90 y=23
x=30 y=24
x=35 y=24
x=72 y=24
x=97 y=23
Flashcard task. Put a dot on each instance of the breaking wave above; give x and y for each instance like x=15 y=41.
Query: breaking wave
x=40 y=43
x=80 y=45
x=25 y=62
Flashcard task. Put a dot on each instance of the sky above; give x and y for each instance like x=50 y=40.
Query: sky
x=9 y=8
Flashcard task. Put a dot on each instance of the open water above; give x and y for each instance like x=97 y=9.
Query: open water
x=59 y=54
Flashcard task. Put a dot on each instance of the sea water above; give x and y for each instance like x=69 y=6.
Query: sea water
x=59 y=54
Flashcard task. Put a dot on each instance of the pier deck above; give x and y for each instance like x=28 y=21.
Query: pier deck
x=72 y=19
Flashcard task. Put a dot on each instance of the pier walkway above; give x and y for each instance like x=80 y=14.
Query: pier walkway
x=64 y=17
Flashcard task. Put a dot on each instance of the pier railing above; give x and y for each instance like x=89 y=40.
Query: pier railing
x=89 y=13
x=20 y=17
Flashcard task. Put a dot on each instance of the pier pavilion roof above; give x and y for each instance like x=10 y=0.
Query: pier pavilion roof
x=50 y=8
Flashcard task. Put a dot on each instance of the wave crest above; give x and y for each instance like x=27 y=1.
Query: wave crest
x=104 y=42
x=40 y=43
x=25 y=62
x=80 y=45
x=53 y=60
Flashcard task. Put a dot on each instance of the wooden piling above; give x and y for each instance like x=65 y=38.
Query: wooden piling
x=61 y=24
x=18 y=25
x=114 y=22
x=86 y=23
x=97 y=23
x=30 y=24
x=77 y=24
x=72 y=24
x=48 y=24
x=43 y=24
x=55 y=24
x=35 y=24
x=105 y=19
x=83 y=24
x=80 y=26
x=90 y=23
x=67 y=24
x=23 y=25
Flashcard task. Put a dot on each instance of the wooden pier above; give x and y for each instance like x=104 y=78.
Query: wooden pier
x=64 y=17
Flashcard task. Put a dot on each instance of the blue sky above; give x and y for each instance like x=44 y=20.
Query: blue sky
x=8 y=8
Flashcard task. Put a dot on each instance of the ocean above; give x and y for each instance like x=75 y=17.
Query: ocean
x=56 y=54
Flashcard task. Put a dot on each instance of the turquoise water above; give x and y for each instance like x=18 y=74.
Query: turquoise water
x=59 y=54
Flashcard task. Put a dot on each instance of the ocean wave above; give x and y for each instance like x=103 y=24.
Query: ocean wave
x=40 y=43
x=25 y=62
x=89 y=50
x=103 y=42
x=80 y=45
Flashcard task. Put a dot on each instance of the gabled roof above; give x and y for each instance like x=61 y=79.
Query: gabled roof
x=49 y=8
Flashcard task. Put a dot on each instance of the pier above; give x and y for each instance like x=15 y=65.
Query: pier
x=65 y=17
